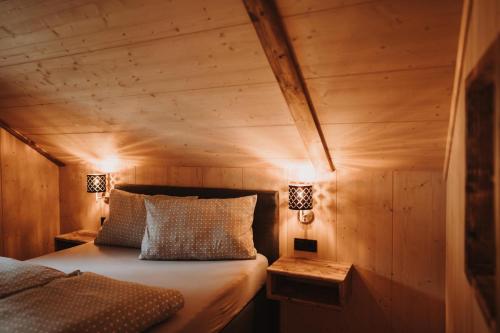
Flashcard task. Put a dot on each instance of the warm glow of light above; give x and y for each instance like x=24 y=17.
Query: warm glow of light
x=302 y=174
x=109 y=164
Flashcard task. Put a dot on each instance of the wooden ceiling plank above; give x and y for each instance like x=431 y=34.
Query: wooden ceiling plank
x=203 y=60
x=275 y=43
x=63 y=29
x=413 y=95
x=242 y=106
x=412 y=144
x=293 y=8
x=410 y=34
x=240 y=146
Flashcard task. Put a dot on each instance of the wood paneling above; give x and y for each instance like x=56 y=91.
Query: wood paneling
x=458 y=303
x=405 y=145
x=184 y=176
x=402 y=35
x=418 y=247
x=144 y=68
x=79 y=209
x=242 y=106
x=252 y=146
x=223 y=177
x=191 y=78
x=30 y=200
x=290 y=8
x=151 y=174
x=383 y=97
x=2 y=237
x=358 y=78
x=376 y=232
x=355 y=223
x=43 y=30
x=463 y=313
x=364 y=210
x=30 y=143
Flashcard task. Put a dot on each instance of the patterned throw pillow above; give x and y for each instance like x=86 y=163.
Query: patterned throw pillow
x=127 y=219
x=203 y=229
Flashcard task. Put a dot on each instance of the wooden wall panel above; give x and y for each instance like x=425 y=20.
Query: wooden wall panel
x=184 y=176
x=30 y=200
x=79 y=209
x=223 y=177
x=2 y=240
x=383 y=292
x=152 y=174
x=365 y=239
x=462 y=313
x=458 y=303
x=418 y=252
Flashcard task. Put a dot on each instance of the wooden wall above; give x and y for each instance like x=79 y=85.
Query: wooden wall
x=389 y=224
x=462 y=312
x=29 y=200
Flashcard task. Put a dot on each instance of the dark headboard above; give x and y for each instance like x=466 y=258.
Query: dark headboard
x=266 y=217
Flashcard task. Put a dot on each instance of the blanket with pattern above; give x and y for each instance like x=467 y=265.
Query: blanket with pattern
x=35 y=298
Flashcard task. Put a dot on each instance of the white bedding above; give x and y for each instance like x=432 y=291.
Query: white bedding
x=214 y=291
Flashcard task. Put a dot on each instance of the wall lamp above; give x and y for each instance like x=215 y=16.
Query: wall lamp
x=300 y=197
x=96 y=183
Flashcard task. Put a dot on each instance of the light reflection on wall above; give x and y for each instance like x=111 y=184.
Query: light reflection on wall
x=108 y=164
x=302 y=173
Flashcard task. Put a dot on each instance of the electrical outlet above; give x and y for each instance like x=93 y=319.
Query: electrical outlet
x=309 y=245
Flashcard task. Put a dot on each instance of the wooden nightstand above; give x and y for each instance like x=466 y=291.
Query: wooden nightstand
x=65 y=241
x=311 y=281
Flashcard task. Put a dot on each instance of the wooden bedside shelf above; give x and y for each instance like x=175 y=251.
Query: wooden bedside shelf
x=311 y=281
x=74 y=238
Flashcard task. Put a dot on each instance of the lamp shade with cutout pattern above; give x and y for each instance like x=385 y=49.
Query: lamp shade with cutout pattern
x=96 y=183
x=300 y=197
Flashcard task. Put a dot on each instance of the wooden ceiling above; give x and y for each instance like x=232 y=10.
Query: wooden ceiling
x=188 y=81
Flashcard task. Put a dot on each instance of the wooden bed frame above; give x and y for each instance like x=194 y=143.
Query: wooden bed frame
x=260 y=314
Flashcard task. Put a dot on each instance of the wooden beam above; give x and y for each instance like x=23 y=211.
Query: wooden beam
x=457 y=82
x=279 y=52
x=21 y=137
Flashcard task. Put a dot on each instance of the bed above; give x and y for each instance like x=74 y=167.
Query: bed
x=220 y=296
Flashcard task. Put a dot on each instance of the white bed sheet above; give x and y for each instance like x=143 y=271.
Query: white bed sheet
x=214 y=291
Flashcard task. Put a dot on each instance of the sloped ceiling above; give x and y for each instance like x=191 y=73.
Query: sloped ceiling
x=187 y=80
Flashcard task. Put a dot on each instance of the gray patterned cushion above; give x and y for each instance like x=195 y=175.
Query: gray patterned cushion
x=127 y=219
x=203 y=229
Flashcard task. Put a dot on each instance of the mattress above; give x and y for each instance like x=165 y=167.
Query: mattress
x=214 y=291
